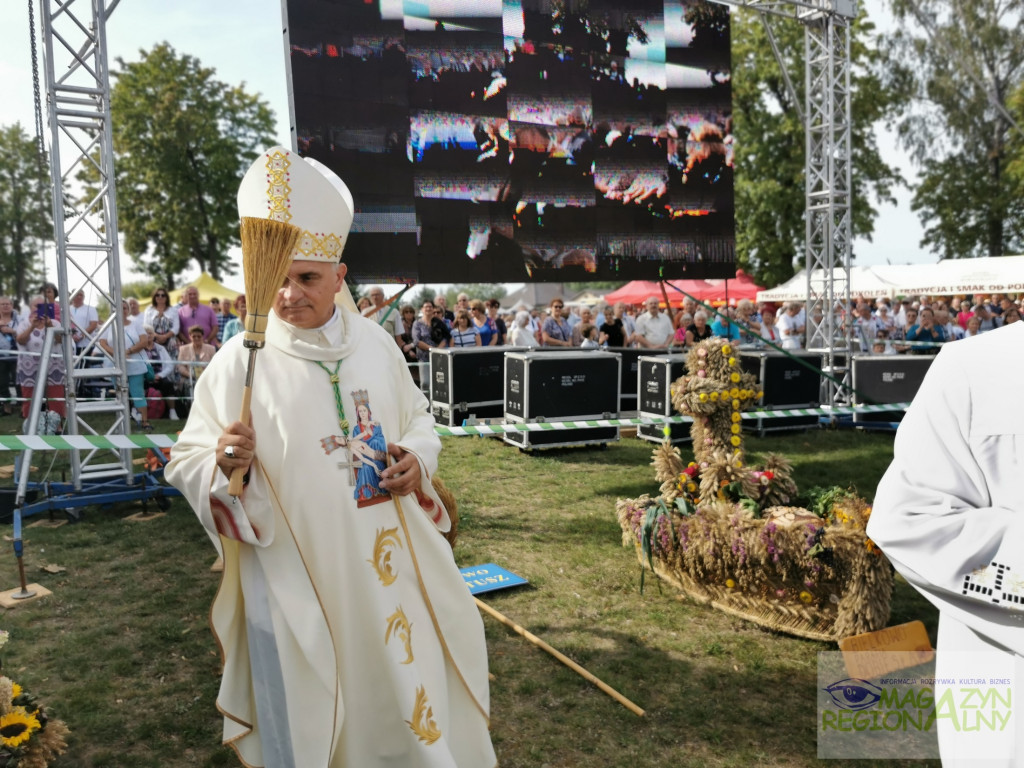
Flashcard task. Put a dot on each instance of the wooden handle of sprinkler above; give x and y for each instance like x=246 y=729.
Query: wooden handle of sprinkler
x=237 y=481
x=561 y=657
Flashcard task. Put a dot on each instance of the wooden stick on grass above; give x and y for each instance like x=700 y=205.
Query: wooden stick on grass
x=561 y=657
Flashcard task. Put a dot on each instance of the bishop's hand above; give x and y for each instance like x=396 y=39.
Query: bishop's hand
x=402 y=477
x=236 y=447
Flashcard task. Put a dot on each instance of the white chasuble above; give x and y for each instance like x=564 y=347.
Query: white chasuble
x=338 y=602
x=949 y=512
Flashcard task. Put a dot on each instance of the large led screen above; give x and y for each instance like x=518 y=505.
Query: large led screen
x=519 y=140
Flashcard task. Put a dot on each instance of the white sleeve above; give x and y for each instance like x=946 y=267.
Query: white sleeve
x=193 y=467
x=934 y=515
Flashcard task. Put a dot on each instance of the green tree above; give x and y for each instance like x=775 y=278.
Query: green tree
x=25 y=212
x=598 y=285
x=182 y=142
x=482 y=291
x=959 y=62
x=141 y=290
x=770 y=144
x=418 y=295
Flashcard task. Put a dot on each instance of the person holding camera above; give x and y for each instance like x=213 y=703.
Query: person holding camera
x=31 y=332
x=927 y=331
x=429 y=332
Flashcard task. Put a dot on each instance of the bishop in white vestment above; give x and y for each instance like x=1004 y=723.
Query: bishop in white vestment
x=348 y=635
x=949 y=514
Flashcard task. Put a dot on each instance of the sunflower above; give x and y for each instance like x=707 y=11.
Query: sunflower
x=15 y=690
x=17 y=727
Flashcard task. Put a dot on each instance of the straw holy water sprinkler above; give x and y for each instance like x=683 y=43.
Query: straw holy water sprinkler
x=267 y=247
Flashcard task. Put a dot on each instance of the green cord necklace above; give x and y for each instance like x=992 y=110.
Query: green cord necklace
x=342 y=421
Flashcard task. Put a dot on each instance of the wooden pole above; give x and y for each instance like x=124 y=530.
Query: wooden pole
x=561 y=657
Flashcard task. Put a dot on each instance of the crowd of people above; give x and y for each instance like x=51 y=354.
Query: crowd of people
x=474 y=322
x=912 y=325
x=167 y=345
x=166 y=348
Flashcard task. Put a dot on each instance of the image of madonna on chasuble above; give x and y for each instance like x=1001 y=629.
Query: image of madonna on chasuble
x=348 y=635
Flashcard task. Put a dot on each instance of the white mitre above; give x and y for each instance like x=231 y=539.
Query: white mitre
x=284 y=186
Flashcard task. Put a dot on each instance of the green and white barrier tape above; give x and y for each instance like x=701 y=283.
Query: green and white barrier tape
x=545 y=426
x=132 y=442
x=83 y=442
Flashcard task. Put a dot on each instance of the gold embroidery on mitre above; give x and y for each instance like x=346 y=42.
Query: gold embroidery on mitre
x=278 y=190
x=399 y=627
x=312 y=247
x=422 y=722
x=386 y=541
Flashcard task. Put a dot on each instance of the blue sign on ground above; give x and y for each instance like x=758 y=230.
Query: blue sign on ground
x=488 y=578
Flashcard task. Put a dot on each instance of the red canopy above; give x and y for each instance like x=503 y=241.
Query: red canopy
x=715 y=291
x=740 y=287
x=638 y=291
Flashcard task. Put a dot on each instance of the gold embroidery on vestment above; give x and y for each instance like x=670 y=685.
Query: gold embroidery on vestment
x=387 y=540
x=318 y=247
x=278 y=190
x=433 y=616
x=399 y=626
x=422 y=722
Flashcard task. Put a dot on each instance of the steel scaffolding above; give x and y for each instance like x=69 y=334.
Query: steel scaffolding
x=827 y=167
x=828 y=195
x=85 y=227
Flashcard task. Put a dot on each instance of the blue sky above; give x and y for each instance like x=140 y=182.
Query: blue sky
x=242 y=40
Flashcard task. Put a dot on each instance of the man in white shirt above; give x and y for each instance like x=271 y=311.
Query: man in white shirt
x=84 y=321
x=379 y=309
x=865 y=326
x=791 y=327
x=137 y=317
x=653 y=328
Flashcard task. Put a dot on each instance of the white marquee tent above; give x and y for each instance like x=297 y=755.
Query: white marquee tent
x=999 y=274
x=864 y=281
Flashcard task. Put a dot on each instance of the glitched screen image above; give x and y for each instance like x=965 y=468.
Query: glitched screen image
x=522 y=140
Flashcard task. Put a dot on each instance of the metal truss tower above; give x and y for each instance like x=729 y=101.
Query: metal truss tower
x=85 y=227
x=829 y=195
x=827 y=169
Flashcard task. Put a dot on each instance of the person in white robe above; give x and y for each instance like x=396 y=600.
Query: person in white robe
x=949 y=515
x=348 y=635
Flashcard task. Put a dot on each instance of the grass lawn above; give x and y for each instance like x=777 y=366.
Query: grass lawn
x=122 y=651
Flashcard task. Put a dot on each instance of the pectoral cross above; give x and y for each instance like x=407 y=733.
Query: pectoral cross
x=332 y=443
x=349 y=466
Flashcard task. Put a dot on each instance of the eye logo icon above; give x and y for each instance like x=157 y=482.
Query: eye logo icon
x=854 y=694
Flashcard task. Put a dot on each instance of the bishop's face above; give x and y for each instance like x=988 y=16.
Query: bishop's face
x=306 y=299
